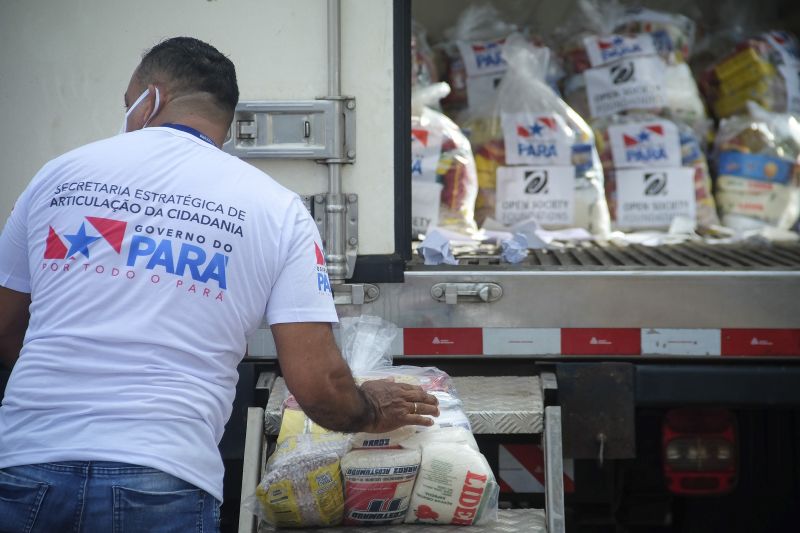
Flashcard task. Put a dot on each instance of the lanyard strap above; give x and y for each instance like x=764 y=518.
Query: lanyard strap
x=199 y=134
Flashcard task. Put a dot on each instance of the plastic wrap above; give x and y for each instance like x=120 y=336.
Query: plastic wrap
x=721 y=30
x=758 y=176
x=535 y=156
x=639 y=148
x=423 y=62
x=302 y=486
x=434 y=382
x=672 y=33
x=444 y=181
x=764 y=69
x=590 y=18
x=631 y=60
x=367 y=342
x=321 y=478
x=366 y=345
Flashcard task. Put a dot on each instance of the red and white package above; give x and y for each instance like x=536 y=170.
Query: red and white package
x=378 y=485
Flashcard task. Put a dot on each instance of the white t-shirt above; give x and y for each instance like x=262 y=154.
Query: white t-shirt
x=149 y=257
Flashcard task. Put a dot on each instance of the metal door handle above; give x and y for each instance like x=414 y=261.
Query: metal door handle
x=453 y=293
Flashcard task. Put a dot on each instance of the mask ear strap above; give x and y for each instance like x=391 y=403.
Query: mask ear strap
x=155 y=109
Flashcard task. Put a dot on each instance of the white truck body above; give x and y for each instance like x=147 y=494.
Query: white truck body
x=624 y=330
x=65 y=66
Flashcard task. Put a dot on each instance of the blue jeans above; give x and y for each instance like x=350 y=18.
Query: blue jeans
x=100 y=497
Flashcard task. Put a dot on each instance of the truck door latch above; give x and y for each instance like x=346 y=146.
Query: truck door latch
x=454 y=293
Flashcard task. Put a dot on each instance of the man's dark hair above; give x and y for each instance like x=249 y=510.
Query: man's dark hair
x=188 y=65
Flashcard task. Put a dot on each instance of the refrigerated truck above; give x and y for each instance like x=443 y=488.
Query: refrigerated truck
x=674 y=369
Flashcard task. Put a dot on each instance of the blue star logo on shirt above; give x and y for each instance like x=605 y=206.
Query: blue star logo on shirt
x=80 y=242
x=536 y=129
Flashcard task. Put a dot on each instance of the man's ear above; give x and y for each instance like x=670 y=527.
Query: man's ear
x=154 y=101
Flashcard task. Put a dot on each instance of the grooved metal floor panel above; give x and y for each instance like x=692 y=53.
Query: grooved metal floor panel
x=508 y=521
x=684 y=257
x=494 y=405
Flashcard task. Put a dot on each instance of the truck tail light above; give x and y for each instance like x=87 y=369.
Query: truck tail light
x=700 y=451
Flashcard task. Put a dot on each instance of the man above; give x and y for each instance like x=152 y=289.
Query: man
x=145 y=260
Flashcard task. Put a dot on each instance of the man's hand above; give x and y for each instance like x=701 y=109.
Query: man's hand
x=321 y=382
x=398 y=404
x=14 y=317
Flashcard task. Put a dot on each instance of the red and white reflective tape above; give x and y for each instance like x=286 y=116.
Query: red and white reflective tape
x=521 y=469
x=609 y=342
x=600 y=341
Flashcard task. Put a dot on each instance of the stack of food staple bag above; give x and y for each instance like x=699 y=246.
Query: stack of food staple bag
x=627 y=72
x=755 y=91
x=758 y=170
x=415 y=474
x=472 y=54
x=764 y=69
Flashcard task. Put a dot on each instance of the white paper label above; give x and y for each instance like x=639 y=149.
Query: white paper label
x=537 y=139
x=651 y=198
x=426 y=149
x=425 y=202
x=654 y=143
x=483 y=88
x=546 y=194
x=604 y=50
x=483 y=57
x=635 y=83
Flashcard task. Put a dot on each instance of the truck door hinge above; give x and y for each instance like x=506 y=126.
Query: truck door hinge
x=317 y=205
x=355 y=293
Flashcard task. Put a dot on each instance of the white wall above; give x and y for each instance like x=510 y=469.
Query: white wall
x=65 y=64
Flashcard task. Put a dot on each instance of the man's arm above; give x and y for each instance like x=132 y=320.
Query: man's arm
x=14 y=317
x=323 y=386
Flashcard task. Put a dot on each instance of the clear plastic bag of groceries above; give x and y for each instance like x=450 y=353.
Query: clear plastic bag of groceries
x=635 y=146
x=589 y=19
x=601 y=31
x=302 y=484
x=473 y=56
x=535 y=156
x=721 y=30
x=757 y=157
x=673 y=33
x=764 y=68
x=444 y=181
x=623 y=60
x=423 y=62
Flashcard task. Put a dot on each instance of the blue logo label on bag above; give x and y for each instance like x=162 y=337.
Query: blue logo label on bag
x=756 y=167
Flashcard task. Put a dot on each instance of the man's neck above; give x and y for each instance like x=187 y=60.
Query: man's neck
x=208 y=128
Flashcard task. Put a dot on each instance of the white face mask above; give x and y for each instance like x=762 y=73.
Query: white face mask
x=124 y=128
